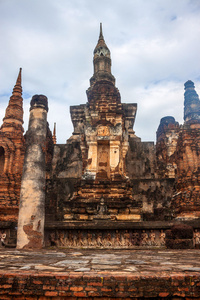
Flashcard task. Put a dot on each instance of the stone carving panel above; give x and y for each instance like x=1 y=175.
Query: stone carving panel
x=107 y=238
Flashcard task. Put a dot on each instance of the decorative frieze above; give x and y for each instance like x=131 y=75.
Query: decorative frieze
x=106 y=238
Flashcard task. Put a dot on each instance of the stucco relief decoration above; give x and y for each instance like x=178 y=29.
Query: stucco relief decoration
x=103 y=131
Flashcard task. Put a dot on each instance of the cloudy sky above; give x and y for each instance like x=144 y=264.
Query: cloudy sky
x=154 y=44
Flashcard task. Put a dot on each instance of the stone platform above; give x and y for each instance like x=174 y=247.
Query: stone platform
x=100 y=274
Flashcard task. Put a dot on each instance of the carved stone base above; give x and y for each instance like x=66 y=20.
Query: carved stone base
x=110 y=234
x=105 y=238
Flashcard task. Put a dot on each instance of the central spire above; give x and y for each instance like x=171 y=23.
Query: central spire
x=102 y=61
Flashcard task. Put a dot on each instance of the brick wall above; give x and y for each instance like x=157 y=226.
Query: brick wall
x=28 y=285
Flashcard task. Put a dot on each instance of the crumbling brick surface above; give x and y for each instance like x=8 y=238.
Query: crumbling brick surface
x=27 y=285
x=180 y=237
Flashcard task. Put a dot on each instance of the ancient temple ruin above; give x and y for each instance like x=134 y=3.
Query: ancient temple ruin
x=104 y=188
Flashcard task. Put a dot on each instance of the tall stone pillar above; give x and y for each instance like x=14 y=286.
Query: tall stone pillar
x=30 y=234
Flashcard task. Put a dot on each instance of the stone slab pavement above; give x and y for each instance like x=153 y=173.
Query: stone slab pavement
x=129 y=261
x=99 y=273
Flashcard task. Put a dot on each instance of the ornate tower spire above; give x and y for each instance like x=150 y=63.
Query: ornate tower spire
x=14 y=113
x=191 y=103
x=102 y=61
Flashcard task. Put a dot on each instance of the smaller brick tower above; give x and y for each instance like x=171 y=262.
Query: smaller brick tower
x=12 y=146
x=187 y=198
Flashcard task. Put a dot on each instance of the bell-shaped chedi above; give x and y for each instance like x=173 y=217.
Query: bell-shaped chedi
x=186 y=201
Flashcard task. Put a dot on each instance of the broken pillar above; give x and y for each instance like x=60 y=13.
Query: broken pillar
x=30 y=234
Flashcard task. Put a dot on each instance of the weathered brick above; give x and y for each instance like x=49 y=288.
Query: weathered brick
x=80 y=294
x=76 y=288
x=89 y=288
x=6 y=286
x=95 y=283
x=163 y=294
x=106 y=290
x=51 y=293
x=62 y=288
x=48 y=287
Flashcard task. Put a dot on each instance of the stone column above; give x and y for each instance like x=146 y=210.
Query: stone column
x=30 y=233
